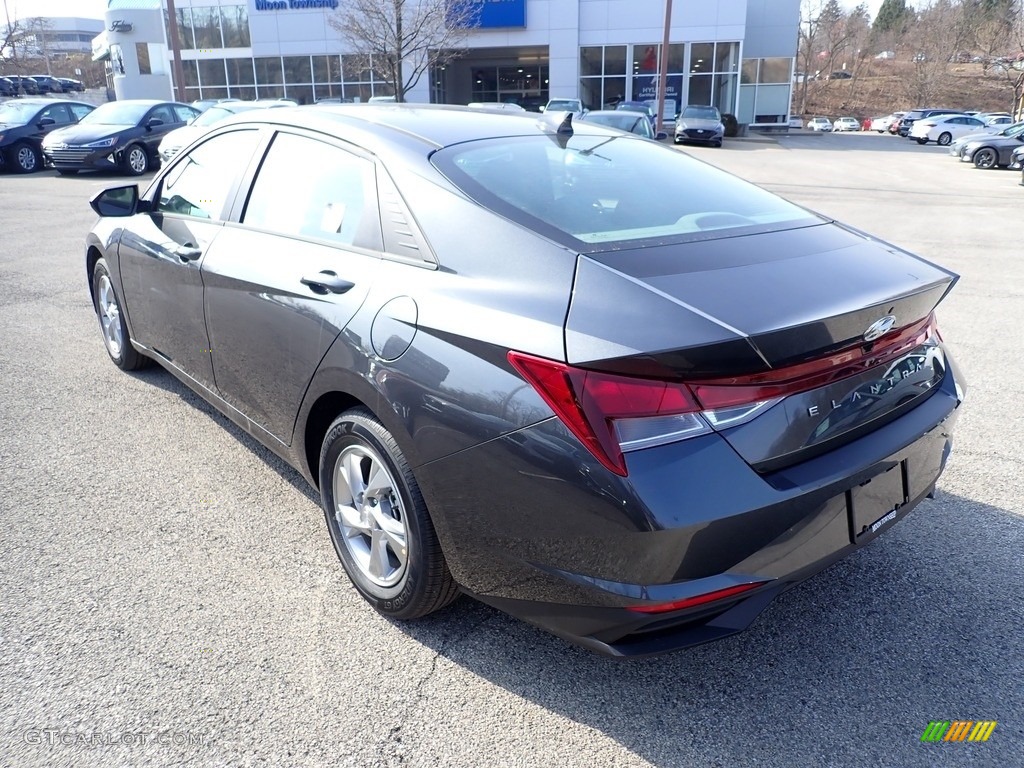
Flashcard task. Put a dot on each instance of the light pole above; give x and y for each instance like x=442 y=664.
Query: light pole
x=663 y=67
x=176 y=66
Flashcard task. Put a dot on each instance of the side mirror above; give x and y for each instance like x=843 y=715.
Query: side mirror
x=661 y=136
x=46 y=121
x=117 y=201
x=154 y=122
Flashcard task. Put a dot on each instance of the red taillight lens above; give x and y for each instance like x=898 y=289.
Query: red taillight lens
x=589 y=403
x=691 y=602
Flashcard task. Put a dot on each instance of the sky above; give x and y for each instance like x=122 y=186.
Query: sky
x=95 y=8
x=88 y=9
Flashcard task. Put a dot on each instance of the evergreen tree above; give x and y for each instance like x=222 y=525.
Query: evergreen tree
x=893 y=16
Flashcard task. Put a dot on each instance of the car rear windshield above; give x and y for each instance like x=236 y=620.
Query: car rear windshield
x=114 y=113
x=602 y=191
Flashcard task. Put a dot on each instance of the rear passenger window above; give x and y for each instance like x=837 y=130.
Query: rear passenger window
x=311 y=189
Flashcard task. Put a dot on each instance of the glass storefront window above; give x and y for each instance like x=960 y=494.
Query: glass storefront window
x=301 y=93
x=590 y=61
x=702 y=56
x=748 y=74
x=727 y=57
x=615 y=60
x=297 y=69
x=240 y=72
x=775 y=70
x=206 y=25
x=191 y=70
x=268 y=71
x=234 y=21
x=185 y=37
x=211 y=72
x=676 y=52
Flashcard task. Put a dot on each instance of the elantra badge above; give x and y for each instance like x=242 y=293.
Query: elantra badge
x=879 y=328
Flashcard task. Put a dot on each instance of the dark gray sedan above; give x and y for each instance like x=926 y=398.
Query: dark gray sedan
x=573 y=373
x=993 y=151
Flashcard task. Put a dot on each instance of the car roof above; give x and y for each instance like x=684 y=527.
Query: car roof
x=381 y=128
x=47 y=102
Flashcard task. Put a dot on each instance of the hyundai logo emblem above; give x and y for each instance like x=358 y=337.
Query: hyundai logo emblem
x=879 y=328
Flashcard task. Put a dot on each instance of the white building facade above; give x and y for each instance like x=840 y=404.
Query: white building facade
x=735 y=54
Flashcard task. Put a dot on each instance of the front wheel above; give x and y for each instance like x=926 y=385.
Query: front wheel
x=135 y=160
x=378 y=521
x=985 y=158
x=112 y=324
x=945 y=138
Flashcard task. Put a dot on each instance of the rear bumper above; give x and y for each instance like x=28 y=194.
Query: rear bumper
x=573 y=554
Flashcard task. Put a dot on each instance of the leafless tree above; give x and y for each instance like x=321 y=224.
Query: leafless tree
x=401 y=40
x=942 y=29
x=11 y=34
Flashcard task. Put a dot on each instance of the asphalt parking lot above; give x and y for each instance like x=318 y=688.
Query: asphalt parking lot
x=169 y=595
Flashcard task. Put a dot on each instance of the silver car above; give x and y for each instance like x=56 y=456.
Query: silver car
x=700 y=123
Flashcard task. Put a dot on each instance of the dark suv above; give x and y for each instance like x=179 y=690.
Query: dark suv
x=914 y=115
x=47 y=84
x=24 y=85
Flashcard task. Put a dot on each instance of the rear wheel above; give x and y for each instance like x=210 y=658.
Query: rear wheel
x=985 y=158
x=945 y=138
x=922 y=141
x=25 y=158
x=378 y=521
x=112 y=324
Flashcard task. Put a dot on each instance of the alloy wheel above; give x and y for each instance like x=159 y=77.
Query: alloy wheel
x=137 y=160
x=26 y=158
x=370 y=515
x=985 y=158
x=110 y=317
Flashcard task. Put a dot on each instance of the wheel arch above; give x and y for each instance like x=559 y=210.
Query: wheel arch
x=322 y=413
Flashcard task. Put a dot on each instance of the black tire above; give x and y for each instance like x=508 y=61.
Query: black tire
x=424 y=583
x=25 y=158
x=985 y=158
x=123 y=354
x=135 y=160
x=922 y=141
x=944 y=139
x=717 y=144
x=67 y=171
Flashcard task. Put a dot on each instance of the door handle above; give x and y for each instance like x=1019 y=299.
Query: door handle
x=327 y=282
x=187 y=252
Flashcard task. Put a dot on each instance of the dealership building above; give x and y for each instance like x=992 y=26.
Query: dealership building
x=734 y=54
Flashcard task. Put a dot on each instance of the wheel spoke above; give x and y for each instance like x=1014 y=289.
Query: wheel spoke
x=392 y=529
x=380 y=564
x=353 y=468
x=379 y=481
x=350 y=517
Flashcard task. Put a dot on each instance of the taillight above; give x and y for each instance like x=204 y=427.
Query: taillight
x=610 y=413
x=613 y=414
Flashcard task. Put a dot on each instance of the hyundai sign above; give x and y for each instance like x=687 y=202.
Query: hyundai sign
x=499 y=13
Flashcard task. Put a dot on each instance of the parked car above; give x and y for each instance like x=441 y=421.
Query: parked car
x=822 y=124
x=699 y=123
x=881 y=124
x=566 y=105
x=24 y=123
x=957 y=147
x=998 y=119
x=204 y=104
x=1017 y=161
x=993 y=151
x=47 y=84
x=26 y=85
x=437 y=355
x=7 y=88
x=839 y=75
x=175 y=140
x=69 y=84
x=119 y=135
x=846 y=124
x=942 y=129
x=625 y=120
x=895 y=124
x=908 y=120
x=640 y=106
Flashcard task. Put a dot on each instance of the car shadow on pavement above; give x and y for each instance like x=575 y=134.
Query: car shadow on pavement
x=846 y=669
x=158 y=377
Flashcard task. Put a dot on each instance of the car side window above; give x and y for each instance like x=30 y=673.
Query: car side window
x=58 y=113
x=308 y=188
x=199 y=184
x=184 y=114
x=161 y=113
x=79 y=110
